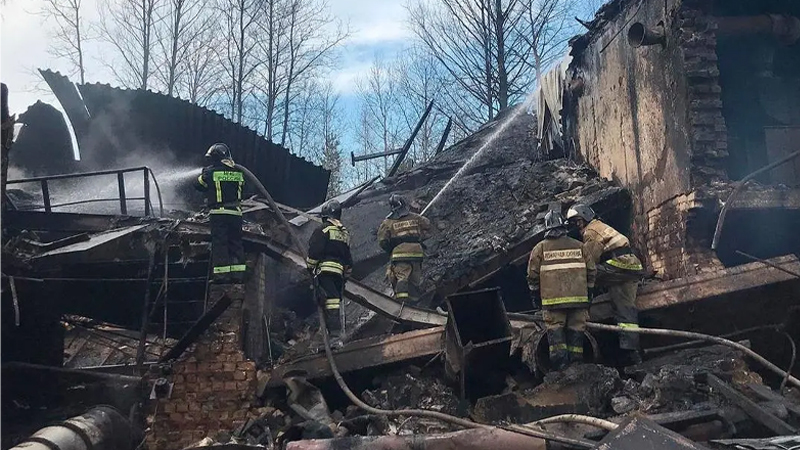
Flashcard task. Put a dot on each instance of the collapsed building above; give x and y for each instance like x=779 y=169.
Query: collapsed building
x=638 y=124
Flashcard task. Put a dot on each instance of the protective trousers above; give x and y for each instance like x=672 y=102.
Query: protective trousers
x=406 y=279
x=622 y=290
x=329 y=294
x=227 y=254
x=565 y=329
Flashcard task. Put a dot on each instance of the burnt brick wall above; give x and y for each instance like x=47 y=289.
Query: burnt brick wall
x=709 y=138
x=213 y=388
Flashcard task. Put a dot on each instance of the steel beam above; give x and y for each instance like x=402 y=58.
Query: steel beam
x=407 y=145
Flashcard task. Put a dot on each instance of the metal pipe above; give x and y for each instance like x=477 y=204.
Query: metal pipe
x=354 y=159
x=445 y=135
x=639 y=35
x=739 y=185
x=78 y=175
x=100 y=428
x=768 y=263
x=407 y=145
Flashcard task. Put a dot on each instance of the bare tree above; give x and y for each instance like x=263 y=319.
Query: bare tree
x=309 y=45
x=378 y=94
x=420 y=82
x=129 y=26
x=240 y=19
x=203 y=75
x=184 y=22
x=547 y=27
x=486 y=50
x=331 y=154
x=69 y=33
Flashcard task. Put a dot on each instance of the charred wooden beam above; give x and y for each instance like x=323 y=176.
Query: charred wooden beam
x=363 y=354
x=407 y=145
x=721 y=282
x=750 y=407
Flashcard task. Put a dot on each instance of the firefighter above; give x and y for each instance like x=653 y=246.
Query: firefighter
x=560 y=274
x=401 y=235
x=618 y=269
x=330 y=263
x=222 y=182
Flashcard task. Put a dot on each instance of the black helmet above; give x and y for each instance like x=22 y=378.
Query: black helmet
x=332 y=209
x=397 y=201
x=580 y=210
x=218 y=152
x=553 y=220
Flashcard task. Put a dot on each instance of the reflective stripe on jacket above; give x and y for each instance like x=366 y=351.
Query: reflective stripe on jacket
x=222 y=182
x=329 y=248
x=609 y=246
x=403 y=236
x=563 y=271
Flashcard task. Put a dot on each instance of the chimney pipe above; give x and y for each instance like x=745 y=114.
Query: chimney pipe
x=639 y=35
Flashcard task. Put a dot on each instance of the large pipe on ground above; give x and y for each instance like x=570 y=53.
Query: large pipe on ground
x=475 y=439
x=100 y=428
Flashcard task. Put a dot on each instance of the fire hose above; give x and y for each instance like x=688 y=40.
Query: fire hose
x=701 y=337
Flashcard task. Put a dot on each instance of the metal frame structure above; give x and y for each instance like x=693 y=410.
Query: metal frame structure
x=122 y=198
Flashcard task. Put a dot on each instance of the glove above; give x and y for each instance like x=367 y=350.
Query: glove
x=536 y=296
x=590 y=294
x=348 y=272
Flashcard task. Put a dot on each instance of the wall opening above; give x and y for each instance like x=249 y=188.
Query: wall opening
x=758 y=46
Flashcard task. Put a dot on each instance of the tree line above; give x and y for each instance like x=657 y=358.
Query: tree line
x=267 y=64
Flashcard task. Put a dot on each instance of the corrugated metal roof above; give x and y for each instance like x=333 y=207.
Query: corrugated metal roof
x=124 y=122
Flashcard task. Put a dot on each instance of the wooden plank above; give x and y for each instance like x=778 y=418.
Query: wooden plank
x=769 y=395
x=366 y=353
x=721 y=282
x=750 y=407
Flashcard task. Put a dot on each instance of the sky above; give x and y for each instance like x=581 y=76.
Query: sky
x=378 y=28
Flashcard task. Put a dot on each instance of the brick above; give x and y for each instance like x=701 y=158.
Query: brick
x=217 y=385
x=230 y=385
x=246 y=365
x=229 y=366
x=243 y=386
x=236 y=357
x=190 y=367
x=181 y=407
x=169 y=407
x=240 y=375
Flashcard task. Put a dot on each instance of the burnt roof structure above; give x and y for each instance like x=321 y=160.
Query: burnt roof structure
x=112 y=125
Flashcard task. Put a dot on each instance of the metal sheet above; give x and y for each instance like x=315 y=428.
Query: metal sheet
x=94 y=241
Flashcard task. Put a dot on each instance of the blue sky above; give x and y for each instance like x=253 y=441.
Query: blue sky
x=378 y=27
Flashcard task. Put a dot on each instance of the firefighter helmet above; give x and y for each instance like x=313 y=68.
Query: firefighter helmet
x=579 y=210
x=332 y=209
x=553 y=220
x=218 y=152
x=397 y=201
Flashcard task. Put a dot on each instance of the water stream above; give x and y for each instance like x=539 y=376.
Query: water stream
x=481 y=150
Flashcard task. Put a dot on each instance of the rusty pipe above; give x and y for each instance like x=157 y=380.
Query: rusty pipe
x=640 y=36
x=784 y=27
x=100 y=428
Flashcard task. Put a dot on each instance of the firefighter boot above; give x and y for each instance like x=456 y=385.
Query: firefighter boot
x=559 y=358
x=334 y=325
x=575 y=346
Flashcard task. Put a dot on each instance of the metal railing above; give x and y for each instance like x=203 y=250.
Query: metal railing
x=123 y=199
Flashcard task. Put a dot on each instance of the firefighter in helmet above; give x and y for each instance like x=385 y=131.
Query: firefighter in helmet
x=330 y=262
x=560 y=274
x=401 y=235
x=222 y=183
x=618 y=269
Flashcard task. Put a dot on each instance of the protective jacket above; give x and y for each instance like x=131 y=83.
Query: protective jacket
x=563 y=271
x=609 y=246
x=222 y=182
x=402 y=236
x=329 y=249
